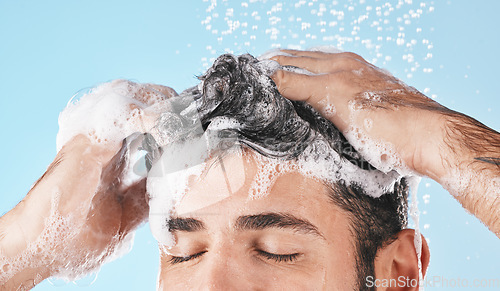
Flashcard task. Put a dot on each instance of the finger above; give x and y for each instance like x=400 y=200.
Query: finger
x=299 y=87
x=325 y=55
x=311 y=54
x=165 y=90
x=151 y=94
x=319 y=66
x=311 y=64
x=135 y=208
x=113 y=169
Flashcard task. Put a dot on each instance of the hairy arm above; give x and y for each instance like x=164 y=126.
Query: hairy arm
x=369 y=104
x=470 y=168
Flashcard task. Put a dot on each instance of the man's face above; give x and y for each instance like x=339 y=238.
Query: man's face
x=292 y=238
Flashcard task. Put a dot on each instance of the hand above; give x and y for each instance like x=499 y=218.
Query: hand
x=383 y=118
x=112 y=111
x=375 y=110
x=77 y=214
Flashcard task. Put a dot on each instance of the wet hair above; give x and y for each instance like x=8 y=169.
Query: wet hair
x=239 y=88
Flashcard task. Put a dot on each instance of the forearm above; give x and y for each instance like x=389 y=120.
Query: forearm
x=33 y=234
x=25 y=279
x=470 y=167
x=21 y=260
x=457 y=151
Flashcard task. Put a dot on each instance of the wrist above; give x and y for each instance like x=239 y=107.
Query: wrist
x=431 y=155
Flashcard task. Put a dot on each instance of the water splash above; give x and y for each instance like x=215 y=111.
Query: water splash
x=382 y=31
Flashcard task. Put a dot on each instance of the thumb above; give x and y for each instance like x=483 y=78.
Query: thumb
x=294 y=86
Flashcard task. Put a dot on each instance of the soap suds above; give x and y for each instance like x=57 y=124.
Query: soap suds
x=458 y=182
x=380 y=154
x=184 y=148
x=107 y=115
x=187 y=159
x=111 y=112
x=269 y=170
x=40 y=252
x=414 y=181
x=168 y=181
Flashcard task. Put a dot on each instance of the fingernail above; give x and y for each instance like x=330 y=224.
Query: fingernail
x=276 y=77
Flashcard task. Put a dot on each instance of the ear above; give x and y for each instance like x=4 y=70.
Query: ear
x=396 y=265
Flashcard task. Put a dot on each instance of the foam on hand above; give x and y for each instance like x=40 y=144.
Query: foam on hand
x=57 y=229
x=378 y=153
x=111 y=112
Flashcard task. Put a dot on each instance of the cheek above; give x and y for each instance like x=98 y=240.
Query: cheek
x=174 y=278
x=341 y=266
x=313 y=278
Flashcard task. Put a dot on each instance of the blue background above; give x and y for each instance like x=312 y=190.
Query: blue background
x=50 y=49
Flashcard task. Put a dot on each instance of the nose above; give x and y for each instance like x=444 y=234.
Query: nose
x=224 y=272
x=218 y=274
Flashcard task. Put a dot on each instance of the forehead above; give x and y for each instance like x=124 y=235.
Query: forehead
x=247 y=184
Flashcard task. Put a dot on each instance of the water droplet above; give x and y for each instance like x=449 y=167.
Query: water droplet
x=57 y=282
x=86 y=281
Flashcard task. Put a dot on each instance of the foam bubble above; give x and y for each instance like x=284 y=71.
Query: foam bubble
x=106 y=115
x=459 y=181
x=368 y=123
x=326 y=49
x=268 y=171
x=169 y=177
x=378 y=153
x=273 y=53
x=111 y=112
x=329 y=111
x=36 y=253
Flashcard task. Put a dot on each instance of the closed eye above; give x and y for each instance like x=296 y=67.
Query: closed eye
x=279 y=258
x=178 y=260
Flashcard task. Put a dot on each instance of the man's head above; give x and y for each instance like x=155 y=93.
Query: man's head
x=261 y=215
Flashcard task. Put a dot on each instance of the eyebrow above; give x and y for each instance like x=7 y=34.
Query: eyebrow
x=277 y=220
x=185 y=224
x=259 y=221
